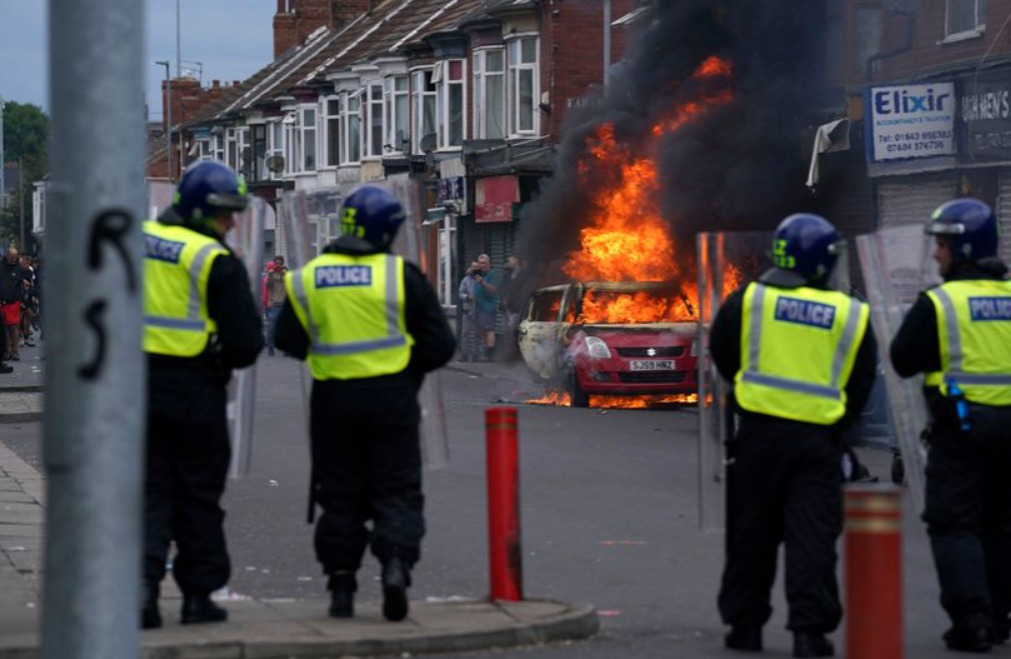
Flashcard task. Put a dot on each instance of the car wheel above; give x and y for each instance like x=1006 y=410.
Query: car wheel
x=577 y=397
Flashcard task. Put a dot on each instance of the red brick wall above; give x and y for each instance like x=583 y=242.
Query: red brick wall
x=572 y=53
x=928 y=54
x=297 y=19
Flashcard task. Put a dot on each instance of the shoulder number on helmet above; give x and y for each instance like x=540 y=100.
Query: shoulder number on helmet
x=780 y=258
x=349 y=224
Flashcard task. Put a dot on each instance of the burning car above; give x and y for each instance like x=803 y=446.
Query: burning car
x=608 y=338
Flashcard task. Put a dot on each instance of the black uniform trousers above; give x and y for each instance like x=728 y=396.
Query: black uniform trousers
x=968 y=514
x=784 y=485
x=366 y=464
x=188 y=452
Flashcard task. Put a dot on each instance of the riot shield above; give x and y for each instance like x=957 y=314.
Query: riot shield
x=310 y=220
x=897 y=265
x=726 y=262
x=247 y=241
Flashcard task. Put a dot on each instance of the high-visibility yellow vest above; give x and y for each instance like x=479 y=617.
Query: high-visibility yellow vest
x=352 y=308
x=177 y=265
x=798 y=347
x=974 y=327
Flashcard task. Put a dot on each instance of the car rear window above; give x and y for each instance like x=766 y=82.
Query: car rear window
x=544 y=306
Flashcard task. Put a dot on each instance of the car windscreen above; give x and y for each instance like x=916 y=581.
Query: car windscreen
x=631 y=306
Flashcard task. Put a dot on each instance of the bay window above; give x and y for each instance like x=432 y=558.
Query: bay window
x=423 y=97
x=396 y=102
x=275 y=144
x=351 y=128
x=332 y=131
x=524 y=86
x=372 y=116
x=489 y=94
x=450 y=82
x=231 y=153
x=307 y=138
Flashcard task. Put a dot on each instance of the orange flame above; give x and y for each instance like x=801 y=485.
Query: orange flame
x=561 y=398
x=627 y=238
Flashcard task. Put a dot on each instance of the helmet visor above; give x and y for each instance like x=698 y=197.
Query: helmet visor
x=228 y=202
x=944 y=229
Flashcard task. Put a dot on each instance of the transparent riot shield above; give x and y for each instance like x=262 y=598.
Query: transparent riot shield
x=247 y=240
x=726 y=262
x=897 y=265
x=309 y=220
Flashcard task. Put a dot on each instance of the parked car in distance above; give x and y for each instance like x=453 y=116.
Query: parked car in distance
x=611 y=338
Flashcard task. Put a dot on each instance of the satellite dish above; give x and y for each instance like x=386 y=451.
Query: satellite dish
x=275 y=164
x=428 y=142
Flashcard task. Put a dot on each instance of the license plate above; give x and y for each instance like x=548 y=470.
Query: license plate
x=661 y=365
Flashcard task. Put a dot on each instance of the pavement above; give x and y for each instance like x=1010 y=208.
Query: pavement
x=278 y=628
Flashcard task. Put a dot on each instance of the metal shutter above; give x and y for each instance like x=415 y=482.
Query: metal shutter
x=1004 y=214
x=913 y=199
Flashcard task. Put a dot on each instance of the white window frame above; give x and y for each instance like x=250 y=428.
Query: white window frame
x=204 y=148
x=241 y=144
x=330 y=113
x=351 y=144
x=516 y=67
x=397 y=112
x=482 y=77
x=275 y=145
x=979 y=24
x=373 y=129
x=218 y=147
x=443 y=89
x=308 y=146
x=420 y=96
x=231 y=155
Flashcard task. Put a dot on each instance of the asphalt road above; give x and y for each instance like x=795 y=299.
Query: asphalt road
x=608 y=515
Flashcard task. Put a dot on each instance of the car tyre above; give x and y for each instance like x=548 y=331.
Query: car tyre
x=577 y=397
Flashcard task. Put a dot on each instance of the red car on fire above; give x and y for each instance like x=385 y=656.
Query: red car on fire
x=611 y=338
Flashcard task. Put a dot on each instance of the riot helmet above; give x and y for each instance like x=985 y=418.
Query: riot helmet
x=208 y=189
x=373 y=214
x=968 y=227
x=806 y=246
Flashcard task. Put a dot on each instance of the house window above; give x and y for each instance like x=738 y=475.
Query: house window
x=966 y=16
x=230 y=150
x=242 y=151
x=489 y=94
x=259 y=168
x=449 y=79
x=219 y=147
x=351 y=128
x=308 y=139
x=275 y=145
x=332 y=129
x=292 y=144
x=524 y=86
x=204 y=149
x=423 y=96
x=372 y=116
x=397 y=108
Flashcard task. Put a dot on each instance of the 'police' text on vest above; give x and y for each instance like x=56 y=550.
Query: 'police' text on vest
x=162 y=250
x=804 y=312
x=329 y=276
x=990 y=308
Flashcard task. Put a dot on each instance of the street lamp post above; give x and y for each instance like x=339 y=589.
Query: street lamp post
x=168 y=114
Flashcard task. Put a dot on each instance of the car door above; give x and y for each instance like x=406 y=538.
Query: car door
x=540 y=329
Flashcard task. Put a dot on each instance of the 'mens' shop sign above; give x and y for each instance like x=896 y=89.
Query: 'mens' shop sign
x=911 y=121
x=985 y=118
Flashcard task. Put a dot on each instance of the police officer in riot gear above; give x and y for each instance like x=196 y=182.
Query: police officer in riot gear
x=959 y=335
x=802 y=361
x=200 y=322
x=370 y=326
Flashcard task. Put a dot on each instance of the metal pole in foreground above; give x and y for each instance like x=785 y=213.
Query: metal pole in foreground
x=3 y=155
x=503 y=465
x=873 y=572
x=95 y=374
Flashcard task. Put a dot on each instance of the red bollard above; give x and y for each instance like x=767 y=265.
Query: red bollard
x=505 y=552
x=873 y=572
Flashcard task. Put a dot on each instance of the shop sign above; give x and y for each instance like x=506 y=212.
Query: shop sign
x=495 y=197
x=985 y=118
x=911 y=121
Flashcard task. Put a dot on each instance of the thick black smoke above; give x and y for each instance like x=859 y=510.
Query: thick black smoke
x=739 y=166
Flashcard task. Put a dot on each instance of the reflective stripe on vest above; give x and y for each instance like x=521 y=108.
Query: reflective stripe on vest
x=974 y=332
x=332 y=354
x=177 y=265
x=797 y=356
